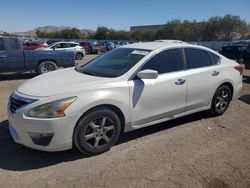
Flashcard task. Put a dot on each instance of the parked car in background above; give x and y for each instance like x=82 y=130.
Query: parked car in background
x=92 y=48
x=32 y=45
x=120 y=43
x=14 y=59
x=238 y=50
x=107 y=45
x=125 y=89
x=67 y=46
x=49 y=42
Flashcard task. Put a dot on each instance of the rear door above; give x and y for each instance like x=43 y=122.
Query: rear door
x=203 y=76
x=70 y=46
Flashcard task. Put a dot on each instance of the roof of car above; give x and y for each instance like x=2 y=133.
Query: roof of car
x=66 y=42
x=157 y=44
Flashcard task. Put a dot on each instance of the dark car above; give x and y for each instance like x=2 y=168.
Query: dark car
x=32 y=45
x=92 y=48
x=239 y=51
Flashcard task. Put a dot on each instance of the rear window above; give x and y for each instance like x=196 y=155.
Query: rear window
x=1 y=44
x=215 y=58
x=197 y=58
x=14 y=43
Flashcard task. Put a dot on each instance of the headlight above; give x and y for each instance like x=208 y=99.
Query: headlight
x=53 y=109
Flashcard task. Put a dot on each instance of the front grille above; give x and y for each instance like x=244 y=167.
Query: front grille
x=15 y=104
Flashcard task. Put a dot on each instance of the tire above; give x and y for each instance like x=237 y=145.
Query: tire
x=46 y=66
x=221 y=100
x=79 y=56
x=97 y=131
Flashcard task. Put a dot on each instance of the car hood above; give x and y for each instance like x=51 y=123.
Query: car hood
x=59 y=82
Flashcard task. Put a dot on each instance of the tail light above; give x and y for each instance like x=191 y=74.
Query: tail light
x=239 y=68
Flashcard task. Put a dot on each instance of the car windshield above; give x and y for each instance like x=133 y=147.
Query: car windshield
x=114 y=63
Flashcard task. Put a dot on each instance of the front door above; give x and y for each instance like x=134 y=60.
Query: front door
x=165 y=96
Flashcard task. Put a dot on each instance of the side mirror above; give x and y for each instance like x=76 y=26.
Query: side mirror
x=147 y=74
x=53 y=48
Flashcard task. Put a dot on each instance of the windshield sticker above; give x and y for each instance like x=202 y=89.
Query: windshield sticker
x=140 y=52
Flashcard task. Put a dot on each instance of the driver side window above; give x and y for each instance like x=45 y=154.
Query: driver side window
x=165 y=62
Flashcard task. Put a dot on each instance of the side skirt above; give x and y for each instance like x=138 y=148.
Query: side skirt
x=131 y=127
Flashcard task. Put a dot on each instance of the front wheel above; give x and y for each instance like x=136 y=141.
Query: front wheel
x=46 y=66
x=221 y=100
x=97 y=131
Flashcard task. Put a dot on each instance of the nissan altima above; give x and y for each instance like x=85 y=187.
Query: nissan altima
x=130 y=87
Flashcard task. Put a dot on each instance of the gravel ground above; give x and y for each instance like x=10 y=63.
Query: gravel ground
x=192 y=151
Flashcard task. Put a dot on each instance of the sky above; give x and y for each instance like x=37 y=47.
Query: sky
x=23 y=15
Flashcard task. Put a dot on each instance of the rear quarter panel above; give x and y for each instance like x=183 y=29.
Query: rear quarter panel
x=231 y=75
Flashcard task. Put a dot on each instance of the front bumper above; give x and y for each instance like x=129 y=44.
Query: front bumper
x=42 y=134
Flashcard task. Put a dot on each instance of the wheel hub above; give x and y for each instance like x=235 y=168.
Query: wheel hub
x=100 y=132
x=222 y=100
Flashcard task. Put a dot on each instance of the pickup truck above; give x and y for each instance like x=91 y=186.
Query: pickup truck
x=14 y=59
x=239 y=51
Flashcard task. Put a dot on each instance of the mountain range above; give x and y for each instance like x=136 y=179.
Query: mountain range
x=49 y=29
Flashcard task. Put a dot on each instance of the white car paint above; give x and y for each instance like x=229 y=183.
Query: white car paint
x=142 y=102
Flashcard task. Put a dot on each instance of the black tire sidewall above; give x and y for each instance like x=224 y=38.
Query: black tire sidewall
x=214 y=110
x=81 y=127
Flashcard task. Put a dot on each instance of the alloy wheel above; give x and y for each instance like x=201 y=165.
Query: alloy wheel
x=99 y=132
x=222 y=100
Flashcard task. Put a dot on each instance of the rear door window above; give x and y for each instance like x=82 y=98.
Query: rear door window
x=215 y=58
x=1 y=44
x=69 y=45
x=197 y=58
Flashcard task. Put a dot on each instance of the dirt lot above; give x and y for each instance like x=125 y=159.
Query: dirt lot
x=193 y=151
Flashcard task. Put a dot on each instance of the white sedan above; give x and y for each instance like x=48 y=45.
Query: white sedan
x=67 y=46
x=125 y=89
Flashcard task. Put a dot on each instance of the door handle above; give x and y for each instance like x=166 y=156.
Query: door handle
x=180 y=82
x=215 y=73
x=3 y=56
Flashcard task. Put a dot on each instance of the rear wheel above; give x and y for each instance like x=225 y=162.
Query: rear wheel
x=46 y=66
x=97 y=131
x=221 y=100
x=79 y=56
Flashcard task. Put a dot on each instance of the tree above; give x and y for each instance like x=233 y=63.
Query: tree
x=102 y=33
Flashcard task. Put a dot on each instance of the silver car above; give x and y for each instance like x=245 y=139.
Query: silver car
x=67 y=46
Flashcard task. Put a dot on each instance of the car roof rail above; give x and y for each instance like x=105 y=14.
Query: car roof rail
x=169 y=41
